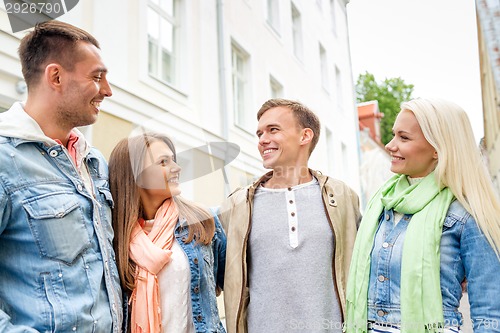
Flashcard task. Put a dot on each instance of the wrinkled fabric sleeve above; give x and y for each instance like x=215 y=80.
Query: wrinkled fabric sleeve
x=356 y=208
x=482 y=269
x=5 y=320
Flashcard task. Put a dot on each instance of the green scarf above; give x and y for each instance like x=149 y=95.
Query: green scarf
x=421 y=301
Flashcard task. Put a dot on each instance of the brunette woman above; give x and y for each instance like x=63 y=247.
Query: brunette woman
x=170 y=251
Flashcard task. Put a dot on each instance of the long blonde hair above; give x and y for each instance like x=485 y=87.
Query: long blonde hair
x=460 y=166
x=125 y=164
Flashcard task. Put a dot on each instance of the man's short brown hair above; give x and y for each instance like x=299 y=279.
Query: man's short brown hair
x=304 y=116
x=51 y=41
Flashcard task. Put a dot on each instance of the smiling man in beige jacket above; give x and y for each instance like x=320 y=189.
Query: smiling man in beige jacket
x=290 y=234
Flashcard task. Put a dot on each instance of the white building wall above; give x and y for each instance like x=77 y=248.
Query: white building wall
x=190 y=111
x=271 y=53
x=10 y=68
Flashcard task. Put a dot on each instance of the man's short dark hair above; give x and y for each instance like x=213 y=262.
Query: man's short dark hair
x=305 y=117
x=51 y=41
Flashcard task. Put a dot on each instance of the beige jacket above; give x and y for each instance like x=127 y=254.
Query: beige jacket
x=342 y=205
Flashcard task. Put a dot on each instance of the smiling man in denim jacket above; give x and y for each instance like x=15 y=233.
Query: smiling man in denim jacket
x=57 y=269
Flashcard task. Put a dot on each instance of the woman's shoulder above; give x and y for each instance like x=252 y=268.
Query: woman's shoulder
x=457 y=216
x=458 y=212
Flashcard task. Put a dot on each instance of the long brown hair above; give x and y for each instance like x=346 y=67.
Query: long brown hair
x=125 y=164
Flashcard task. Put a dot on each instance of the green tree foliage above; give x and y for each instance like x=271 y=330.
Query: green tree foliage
x=389 y=93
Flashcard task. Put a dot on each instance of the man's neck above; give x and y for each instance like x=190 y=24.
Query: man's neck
x=288 y=177
x=50 y=127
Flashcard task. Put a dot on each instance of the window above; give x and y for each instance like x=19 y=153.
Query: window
x=239 y=60
x=273 y=17
x=345 y=162
x=330 y=148
x=324 y=68
x=333 y=14
x=276 y=88
x=338 y=83
x=297 y=33
x=163 y=28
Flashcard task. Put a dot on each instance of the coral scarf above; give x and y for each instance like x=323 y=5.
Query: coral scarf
x=151 y=252
x=421 y=301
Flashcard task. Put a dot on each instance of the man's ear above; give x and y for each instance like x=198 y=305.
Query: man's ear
x=53 y=76
x=307 y=136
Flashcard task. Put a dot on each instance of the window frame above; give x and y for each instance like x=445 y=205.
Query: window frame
x=338 y=89
x=324 y=72
x=273 y=15
x=333 y=16
x=276 y=88
x=297 y=37
x=240 y=91
x=174 y=21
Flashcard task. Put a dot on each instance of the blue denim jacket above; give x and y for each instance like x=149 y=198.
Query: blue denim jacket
x=57 y=269
x=207 y=263
x=465 y=253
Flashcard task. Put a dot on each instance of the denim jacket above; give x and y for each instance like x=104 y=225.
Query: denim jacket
x=465 y=253
x=57 y=268
x=207 y=263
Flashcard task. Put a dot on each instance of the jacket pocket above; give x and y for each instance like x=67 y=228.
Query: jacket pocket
x=58 y=226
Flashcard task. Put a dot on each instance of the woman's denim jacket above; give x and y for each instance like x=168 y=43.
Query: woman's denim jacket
x=207 y=263
x=57 y=268
x=465 y=253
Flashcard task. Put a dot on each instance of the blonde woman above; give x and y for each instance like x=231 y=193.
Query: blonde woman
x=170 y=252
x=430 y=227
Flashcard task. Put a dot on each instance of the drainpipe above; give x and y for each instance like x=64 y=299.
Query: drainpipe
x=222 y=87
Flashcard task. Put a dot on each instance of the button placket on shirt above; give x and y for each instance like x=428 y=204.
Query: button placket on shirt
x=293 y=232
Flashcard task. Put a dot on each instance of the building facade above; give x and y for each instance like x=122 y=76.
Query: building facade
x=198 y=70
x=375 y=162
x=488 y=18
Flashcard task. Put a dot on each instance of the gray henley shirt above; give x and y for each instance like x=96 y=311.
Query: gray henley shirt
x=290 y=256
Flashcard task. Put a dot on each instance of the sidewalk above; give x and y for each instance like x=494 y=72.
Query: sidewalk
x=465 y=309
